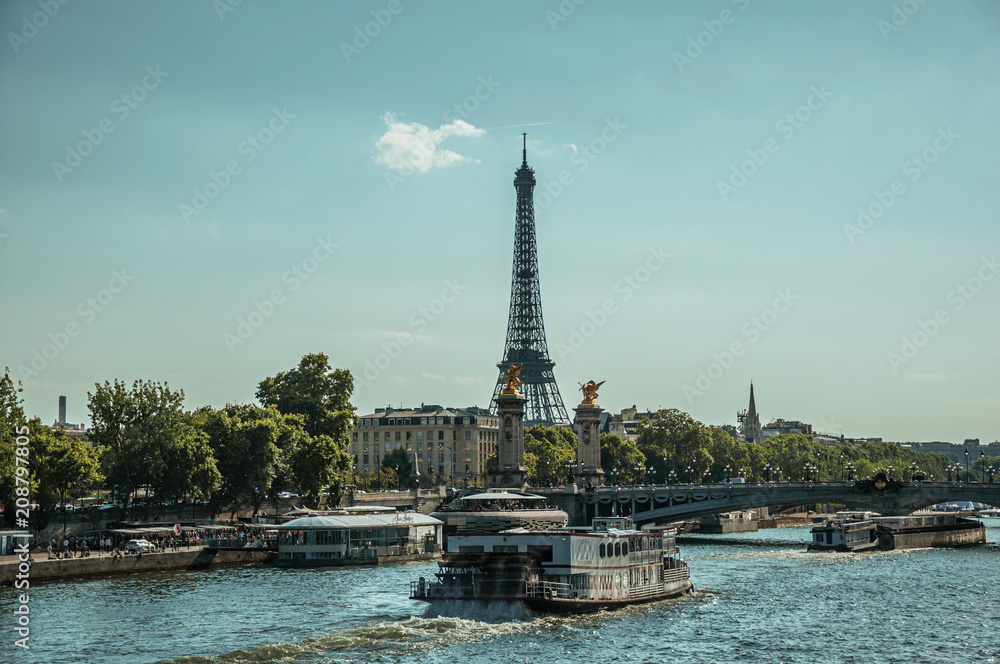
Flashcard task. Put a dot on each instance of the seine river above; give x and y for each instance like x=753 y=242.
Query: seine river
x=760 y=598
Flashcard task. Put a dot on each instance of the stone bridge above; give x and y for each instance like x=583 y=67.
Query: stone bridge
x=680 y=502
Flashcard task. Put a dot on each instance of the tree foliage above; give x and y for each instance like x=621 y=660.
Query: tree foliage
x=148 y=441
x=551 y=450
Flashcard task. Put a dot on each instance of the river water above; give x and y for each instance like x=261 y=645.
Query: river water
x=759 y=598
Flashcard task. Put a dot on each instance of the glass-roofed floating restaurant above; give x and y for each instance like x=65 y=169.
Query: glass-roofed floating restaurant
x=358 y=536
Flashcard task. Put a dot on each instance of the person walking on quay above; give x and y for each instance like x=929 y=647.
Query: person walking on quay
x=50 y=551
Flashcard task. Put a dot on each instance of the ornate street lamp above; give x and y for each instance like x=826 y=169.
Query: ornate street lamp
x=673 y=476
x=767 y=472
x=728 y=472
x=967 y=464
x=982 y=465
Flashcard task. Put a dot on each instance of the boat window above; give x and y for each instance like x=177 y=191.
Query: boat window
x=602 y=549
x=618 y=548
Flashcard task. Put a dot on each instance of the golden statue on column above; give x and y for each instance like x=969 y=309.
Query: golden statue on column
x=589 y=390
x=513 y=382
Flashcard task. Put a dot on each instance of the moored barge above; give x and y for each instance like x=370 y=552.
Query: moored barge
x=859 y=531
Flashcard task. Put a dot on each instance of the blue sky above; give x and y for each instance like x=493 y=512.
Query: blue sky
x=273 y=164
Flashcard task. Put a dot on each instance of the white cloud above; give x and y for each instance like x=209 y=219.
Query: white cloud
x=398 y=380
x=920 y=376
x=409 y=146
x=435 y=377
x=466 y=380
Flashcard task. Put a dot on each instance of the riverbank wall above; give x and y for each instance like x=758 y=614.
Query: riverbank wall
x=104 y=565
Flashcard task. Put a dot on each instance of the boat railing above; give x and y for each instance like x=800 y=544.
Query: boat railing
x=678 y=574
x=548 y=590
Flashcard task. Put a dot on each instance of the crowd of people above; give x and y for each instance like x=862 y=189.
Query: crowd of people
x=114 y=544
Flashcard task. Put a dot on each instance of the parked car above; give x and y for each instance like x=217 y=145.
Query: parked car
x=140 y=546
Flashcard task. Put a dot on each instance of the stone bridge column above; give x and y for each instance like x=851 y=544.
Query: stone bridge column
x=588 y=445
x=510 y=470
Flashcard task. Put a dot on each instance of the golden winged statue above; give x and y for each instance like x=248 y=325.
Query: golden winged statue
x=513 y=382
x=589 y=390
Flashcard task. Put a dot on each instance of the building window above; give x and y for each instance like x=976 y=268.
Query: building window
x=409 y=434
x=407 y=421
x=366 y=459
x=354 y=436
x=420 y=435
x=440 y=435
x=468 y=435
x=397 y=435
x=441 y=457
x=376 y=436
x=364 y=436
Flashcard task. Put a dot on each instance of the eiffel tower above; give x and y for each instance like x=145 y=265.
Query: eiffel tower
x=525 y=329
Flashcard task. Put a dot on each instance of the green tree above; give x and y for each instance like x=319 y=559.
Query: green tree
x=313 y=390
x=678 y=442
x=321 y=397
x=400 y=463
x=553 y=448
x=621 y=460
x=64 y=468
x=135 y=428
x=246 y=442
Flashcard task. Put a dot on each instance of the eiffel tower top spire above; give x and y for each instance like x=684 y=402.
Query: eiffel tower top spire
x=526 y=345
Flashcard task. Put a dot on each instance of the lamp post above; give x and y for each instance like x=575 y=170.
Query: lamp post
x=767 y=472
x=690 y=474
x=728 y=471
x=966 y=464
x=982 y=466
x=673 y=476
x=743 y=474
x=850 y=471
x=992 y=469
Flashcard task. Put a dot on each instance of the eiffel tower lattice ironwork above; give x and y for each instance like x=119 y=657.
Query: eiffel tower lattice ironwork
x=526 y=344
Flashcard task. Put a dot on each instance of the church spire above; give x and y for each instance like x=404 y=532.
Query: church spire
x=750 y=421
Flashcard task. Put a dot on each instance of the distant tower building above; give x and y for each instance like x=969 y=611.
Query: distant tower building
x=526 y=345
x=62 y=410
x=749 y=420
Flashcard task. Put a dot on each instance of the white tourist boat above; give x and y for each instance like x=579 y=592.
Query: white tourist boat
x=562 y=570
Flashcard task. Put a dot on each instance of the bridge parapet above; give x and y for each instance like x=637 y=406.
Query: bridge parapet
x=678 y=502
